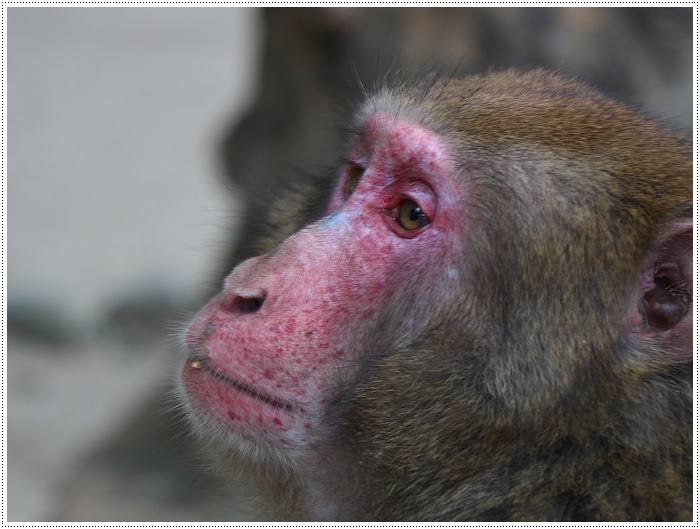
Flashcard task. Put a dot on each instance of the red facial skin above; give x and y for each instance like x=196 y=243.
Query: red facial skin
x=268 y=374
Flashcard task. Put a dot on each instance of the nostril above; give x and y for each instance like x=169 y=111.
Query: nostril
x=238 y=304
x=248 y=305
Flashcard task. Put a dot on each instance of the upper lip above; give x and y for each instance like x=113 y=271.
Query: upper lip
x=205 y=363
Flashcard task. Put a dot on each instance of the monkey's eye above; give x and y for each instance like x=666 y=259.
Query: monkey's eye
x=354 y=179
x=411 y=216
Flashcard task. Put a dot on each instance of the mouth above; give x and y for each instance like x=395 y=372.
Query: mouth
x=202 y=363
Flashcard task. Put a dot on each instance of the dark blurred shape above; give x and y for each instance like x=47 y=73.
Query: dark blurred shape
x=141 y=317
x=41 y=322
x=317 y=60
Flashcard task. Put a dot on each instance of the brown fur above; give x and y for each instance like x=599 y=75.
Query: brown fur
x=528 y=402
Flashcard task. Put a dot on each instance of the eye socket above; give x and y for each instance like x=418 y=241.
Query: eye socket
x=356 y=174
x=411 y=216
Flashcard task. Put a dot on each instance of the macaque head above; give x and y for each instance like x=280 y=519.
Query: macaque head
x=501 y=265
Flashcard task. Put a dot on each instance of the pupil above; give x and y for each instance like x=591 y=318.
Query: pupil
x=415 y=214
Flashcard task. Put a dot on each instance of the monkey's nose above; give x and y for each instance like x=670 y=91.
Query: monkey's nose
x=238 y=304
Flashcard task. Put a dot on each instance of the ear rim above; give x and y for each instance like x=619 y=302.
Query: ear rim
x=673 y=246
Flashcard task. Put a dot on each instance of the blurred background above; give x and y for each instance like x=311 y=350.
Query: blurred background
x=139 y=144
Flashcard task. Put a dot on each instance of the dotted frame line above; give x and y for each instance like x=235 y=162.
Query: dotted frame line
x=3 y=249
x=689 y=3
x=697 y=267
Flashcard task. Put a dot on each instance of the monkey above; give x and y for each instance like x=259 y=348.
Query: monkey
x=484 y=315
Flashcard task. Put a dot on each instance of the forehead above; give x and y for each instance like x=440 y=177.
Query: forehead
x=403 y=141
x=544 y=112
x=535 y=108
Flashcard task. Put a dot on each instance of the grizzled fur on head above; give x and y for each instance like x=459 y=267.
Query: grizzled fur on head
x=529 y=391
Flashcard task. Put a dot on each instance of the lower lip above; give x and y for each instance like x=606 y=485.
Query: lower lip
x=200 y=363
x=234 y=405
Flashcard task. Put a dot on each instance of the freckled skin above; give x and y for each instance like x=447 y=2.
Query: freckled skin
x=325 y=286
x=488 y=318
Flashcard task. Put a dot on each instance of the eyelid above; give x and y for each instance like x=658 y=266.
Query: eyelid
x=356 y=162
x=421 y=193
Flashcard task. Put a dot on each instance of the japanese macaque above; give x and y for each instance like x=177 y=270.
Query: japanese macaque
x=487 y=317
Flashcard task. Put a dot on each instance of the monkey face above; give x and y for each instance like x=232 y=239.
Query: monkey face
x=269 y=355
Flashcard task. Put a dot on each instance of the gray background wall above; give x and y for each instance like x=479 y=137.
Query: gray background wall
x=116 y=213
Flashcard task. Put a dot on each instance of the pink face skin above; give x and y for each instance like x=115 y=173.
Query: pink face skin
x=268 y=374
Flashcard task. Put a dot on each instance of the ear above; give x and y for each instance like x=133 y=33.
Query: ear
x=664 y=310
